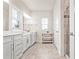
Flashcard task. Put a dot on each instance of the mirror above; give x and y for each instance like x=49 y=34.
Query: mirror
x=15 y=19
x=16 y=16
x=5 y=16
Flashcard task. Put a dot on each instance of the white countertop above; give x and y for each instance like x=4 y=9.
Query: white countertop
x=7 y=33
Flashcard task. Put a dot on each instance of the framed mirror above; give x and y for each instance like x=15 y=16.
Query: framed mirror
x=17 y=18
x=5 y=16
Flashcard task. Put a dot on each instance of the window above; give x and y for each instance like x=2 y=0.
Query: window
x=45 y=23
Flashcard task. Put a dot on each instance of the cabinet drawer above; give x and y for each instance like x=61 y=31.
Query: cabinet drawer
x=16 y=37
x=18 y=40
x=17 y=44
x=24 y=35
x=18 y=48
x=7 y=39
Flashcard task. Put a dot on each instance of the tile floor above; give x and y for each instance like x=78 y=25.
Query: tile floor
x=42 y=51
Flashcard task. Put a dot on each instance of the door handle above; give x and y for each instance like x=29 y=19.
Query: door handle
x=72 y=34
x=57 y=31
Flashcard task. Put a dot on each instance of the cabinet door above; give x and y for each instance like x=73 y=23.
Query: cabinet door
x=18 y=46
x=33 y=38
x=7 y=48
x=24 y=42
x=28 y=39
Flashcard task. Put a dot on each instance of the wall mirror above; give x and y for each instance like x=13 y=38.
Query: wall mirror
x=16 y=16
x=5 y=16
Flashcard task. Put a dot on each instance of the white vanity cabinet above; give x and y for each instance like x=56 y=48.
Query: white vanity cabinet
x=25 y=42
x=34 y=37
x=18 y=46
x=7 y=47
x=28 y=40
x=14 y=44
x=31 y=39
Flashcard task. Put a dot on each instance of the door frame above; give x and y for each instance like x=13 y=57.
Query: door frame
x=72 y=29
x=72 y=40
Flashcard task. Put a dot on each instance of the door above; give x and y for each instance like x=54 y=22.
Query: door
x=69 y=33
x=66 y=28
x=72 y=29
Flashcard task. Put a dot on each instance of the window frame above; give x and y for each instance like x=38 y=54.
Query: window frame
x=43 y=23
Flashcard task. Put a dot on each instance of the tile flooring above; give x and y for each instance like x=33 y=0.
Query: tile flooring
x=42 y=51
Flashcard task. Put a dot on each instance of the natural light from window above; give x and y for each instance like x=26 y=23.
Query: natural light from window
x=45 y=23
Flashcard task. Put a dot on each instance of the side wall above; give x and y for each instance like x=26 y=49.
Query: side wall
x=22 y=7
x=58 y=27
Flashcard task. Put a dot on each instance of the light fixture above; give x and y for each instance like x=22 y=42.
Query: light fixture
x=7 y=1
x=27 y=16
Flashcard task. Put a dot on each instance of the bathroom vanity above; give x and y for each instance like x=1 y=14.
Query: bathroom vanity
x=17 y=43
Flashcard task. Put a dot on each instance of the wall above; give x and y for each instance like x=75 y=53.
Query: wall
x=57 y=26
x=19 y=4
x=29 y=24
x=22 y=7
x=37 y=16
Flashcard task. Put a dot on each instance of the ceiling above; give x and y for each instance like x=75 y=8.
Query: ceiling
x=39 y=5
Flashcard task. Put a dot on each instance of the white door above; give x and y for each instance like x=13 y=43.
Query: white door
x=72 y=31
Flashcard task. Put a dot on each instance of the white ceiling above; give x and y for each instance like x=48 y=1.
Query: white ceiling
x=39 y=5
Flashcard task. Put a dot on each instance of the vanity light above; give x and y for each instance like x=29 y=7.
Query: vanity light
x=27 y=16
x=7 y=1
